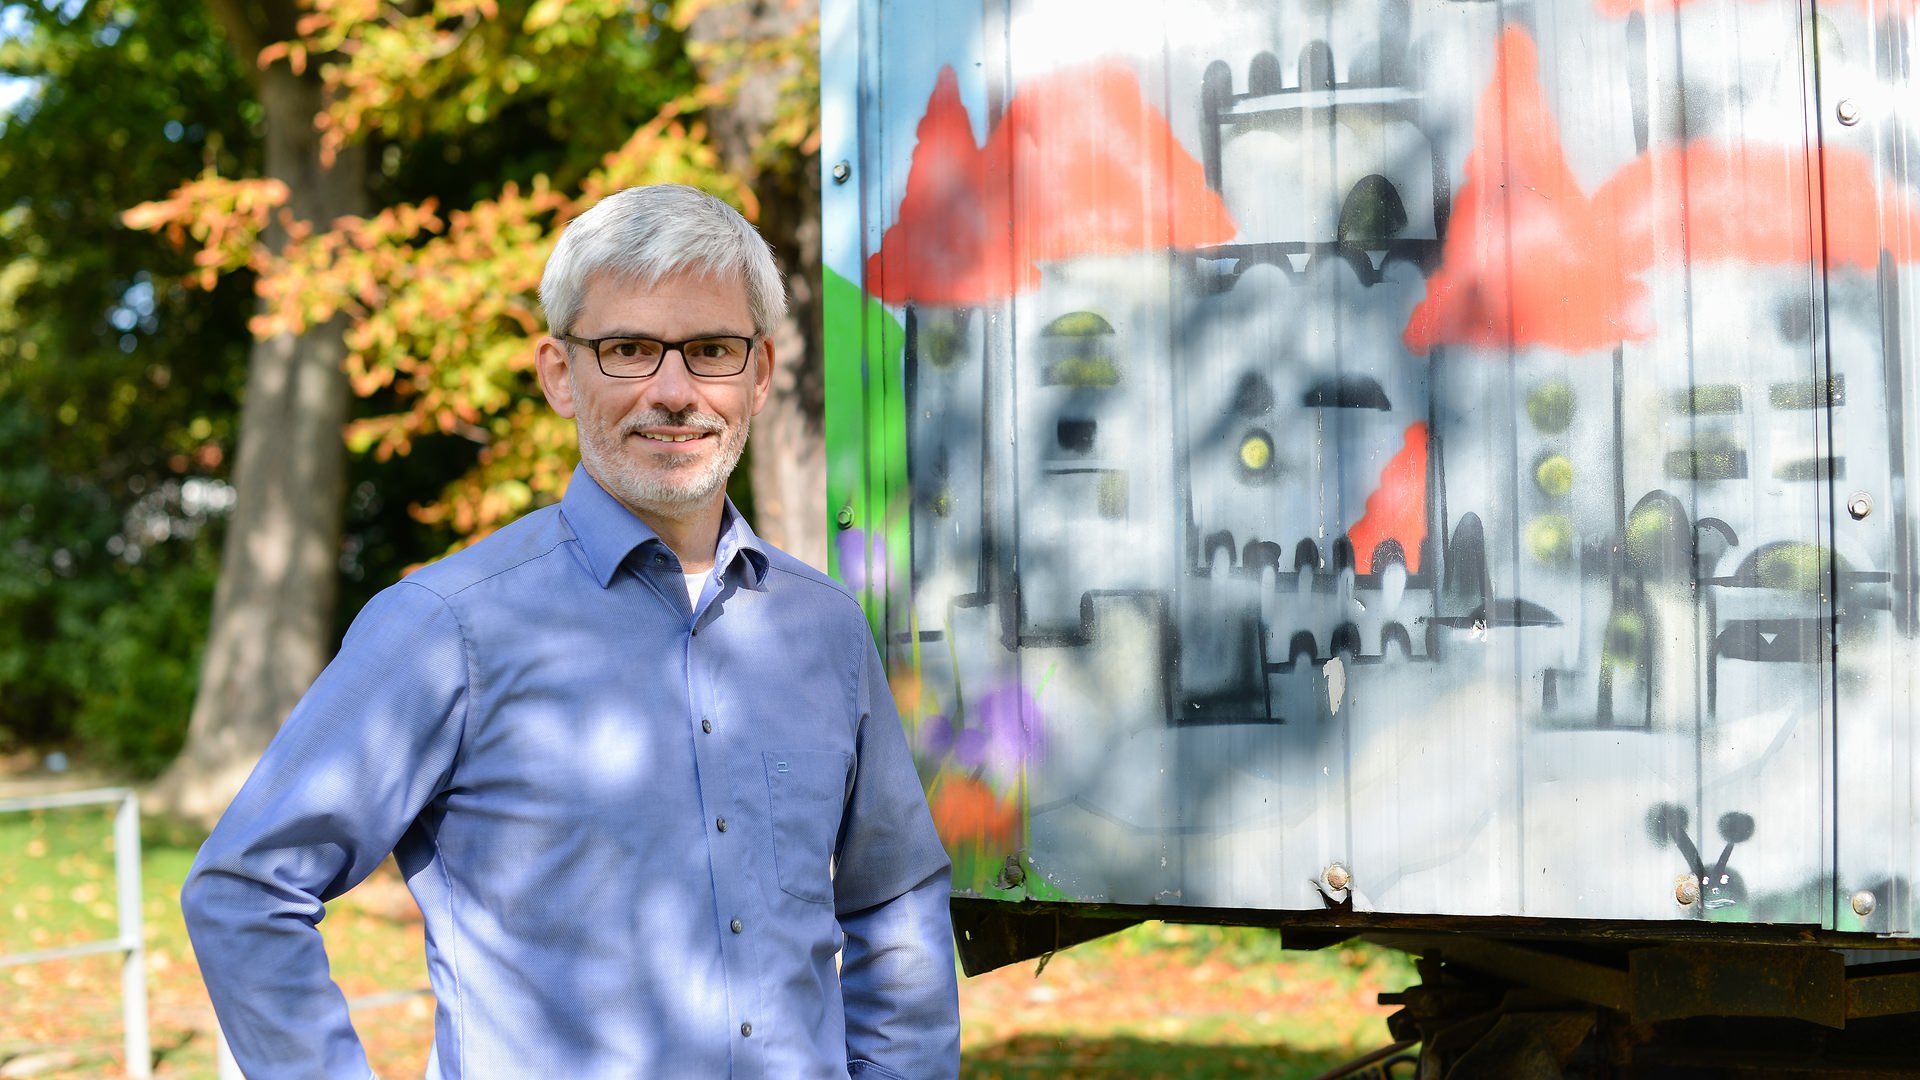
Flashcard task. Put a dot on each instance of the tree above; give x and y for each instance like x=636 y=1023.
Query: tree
x=431 y=300
x=116 y=382
x=273 y=607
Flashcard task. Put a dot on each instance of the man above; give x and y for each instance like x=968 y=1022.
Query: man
x=641 y=770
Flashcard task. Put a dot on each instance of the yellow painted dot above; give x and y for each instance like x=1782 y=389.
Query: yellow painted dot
x=1550 y=538
x=1555 y=475
x=1256 y=453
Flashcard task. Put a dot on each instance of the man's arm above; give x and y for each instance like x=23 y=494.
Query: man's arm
x=365 y=750
x=897 y=975
x=891 y=887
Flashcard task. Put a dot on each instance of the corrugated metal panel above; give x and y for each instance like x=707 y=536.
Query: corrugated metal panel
x=1864 y=114
x=1414 y=435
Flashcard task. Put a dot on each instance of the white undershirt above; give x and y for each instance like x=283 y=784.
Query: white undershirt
x=695 y=583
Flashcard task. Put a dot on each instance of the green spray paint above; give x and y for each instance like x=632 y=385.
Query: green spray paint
x=866 y=440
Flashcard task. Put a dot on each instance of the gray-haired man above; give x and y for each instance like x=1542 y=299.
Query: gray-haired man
x=641 y=770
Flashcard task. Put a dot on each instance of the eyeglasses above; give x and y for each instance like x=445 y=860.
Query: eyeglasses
x=637 y=357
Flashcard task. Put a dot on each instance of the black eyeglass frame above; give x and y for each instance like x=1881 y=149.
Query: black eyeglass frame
x=594 y=344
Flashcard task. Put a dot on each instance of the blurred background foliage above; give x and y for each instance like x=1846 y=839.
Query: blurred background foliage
x=136 y=272
x=117 y=384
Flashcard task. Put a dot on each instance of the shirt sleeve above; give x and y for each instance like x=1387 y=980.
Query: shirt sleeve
x=368 y=747
x=891 y=886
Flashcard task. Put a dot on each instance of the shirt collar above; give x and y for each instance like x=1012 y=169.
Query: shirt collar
x=609 y=533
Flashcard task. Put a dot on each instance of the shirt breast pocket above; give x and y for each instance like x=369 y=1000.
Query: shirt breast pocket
x=806 y=792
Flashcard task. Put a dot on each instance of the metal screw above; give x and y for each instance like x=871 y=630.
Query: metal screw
x=1864 y=903
x=1859 y=504
x=1686 y=891
x=1847 y=111
x=1011 y=872
x=1336 y=876
x=845 y=517
x=841 y=171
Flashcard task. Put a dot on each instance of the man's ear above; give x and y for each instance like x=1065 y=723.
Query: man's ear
x=763 y=375
x=554 y=361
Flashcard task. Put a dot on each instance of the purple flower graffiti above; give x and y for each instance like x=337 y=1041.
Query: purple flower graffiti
x=851 y=547
x=999 y=733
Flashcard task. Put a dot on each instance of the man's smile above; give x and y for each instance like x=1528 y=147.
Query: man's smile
x=677 y=434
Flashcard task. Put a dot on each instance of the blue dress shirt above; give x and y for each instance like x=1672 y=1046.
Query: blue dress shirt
x=639 y=831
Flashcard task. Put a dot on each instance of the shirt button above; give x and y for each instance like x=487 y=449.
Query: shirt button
x=746 y=1030
x=735 y=926
x=706 y=725
x=659 y=559
x=720 y=823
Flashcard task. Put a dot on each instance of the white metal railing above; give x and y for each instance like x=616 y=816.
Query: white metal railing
x=131 y=941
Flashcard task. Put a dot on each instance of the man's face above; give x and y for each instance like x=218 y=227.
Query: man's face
x=663 y=445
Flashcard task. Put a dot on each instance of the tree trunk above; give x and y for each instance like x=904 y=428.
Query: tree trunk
x=789 y=456
x=272 y=626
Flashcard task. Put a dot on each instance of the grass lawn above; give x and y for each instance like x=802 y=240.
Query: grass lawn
x=1162 y=1000
x=1154 y=1001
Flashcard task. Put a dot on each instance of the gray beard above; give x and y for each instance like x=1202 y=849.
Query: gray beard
x=670 y=489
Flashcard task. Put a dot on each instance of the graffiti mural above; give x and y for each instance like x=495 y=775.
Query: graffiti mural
x=1462 y=441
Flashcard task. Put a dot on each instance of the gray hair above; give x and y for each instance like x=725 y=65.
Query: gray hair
x=644 y=234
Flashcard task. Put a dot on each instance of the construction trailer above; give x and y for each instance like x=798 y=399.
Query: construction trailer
x=1424 y=470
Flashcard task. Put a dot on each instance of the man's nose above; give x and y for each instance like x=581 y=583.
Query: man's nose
x=672 y=386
